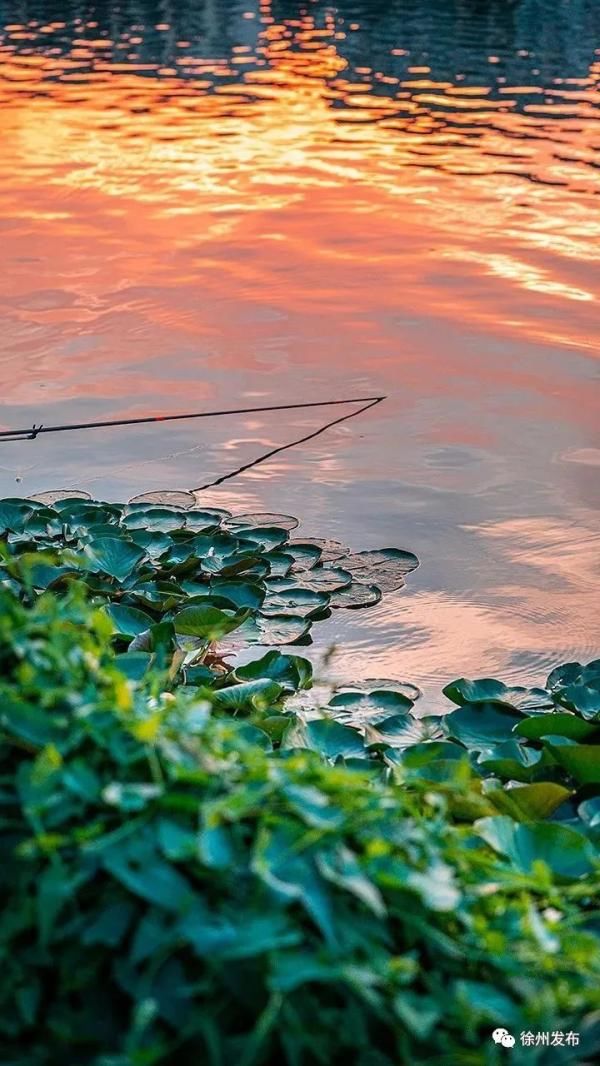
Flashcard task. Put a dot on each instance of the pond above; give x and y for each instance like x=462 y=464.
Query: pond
x=209 y=205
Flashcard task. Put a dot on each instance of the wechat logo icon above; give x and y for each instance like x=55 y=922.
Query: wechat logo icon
x=503 y=1037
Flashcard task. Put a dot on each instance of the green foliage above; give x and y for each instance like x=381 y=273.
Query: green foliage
x=201 y=867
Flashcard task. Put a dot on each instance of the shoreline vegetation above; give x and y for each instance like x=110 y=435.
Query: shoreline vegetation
x=208 y=862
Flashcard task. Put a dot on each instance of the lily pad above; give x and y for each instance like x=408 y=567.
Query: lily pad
x=207 y=622
x=114 y=556
x=331 y=739
x=330 y=550
x=581 y=761
x=385 y=568
x=290 y=671
x=274 y=630
x=355 y=597
x=166 y=497
x=565 y=851
x=556 y=724
x=481 y=725
x=294 y=601
x=527 y=803
x=403 y=731
x=305 y=554
x=361 y=708
x=58 y=495
x=260 y=519
x=128 y=621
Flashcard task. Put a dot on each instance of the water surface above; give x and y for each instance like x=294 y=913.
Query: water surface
x=203 y=203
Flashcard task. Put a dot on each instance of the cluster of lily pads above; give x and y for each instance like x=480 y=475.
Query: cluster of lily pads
x=187 y=586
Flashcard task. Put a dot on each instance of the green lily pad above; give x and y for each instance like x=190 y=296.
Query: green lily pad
x=529 y=802
x=166 y=498
x=331 y=739
x=479 y=725
x=512 y=761
x=558 y=724
x=323 y=579
x=55 y=496
x=305 y=554
x=114 y=556
x=581 y=761
x=290 y=671
x=385 y=568
x=330 y=550
x=206 y=622
x=154 y=519
x=355 y=597
x=294 y=601
x=128 y=621
x=565 y=851
x=261 y=519
x=361 y=708
x=259 y=694
x=581 y=698
x=403 y=731
x=272 y=630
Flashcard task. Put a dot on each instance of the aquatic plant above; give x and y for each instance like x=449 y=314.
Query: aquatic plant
x=202 y=866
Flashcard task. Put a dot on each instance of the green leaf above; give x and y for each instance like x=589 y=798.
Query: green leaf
x=116 y=557
x=329 y=738
x=582 y=761
x=565 y=851
x=128 y=620
x=527 y=802
x=290 y=671
x=359 y=708
x=208 y=623
x=404 y=730
x=260 y=694
x=479 y=725
x=559 y=724
x=136 y=864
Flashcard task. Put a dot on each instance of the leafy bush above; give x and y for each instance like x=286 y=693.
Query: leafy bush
x=187 y=884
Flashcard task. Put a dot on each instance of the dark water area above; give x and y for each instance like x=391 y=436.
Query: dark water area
x=209 y=204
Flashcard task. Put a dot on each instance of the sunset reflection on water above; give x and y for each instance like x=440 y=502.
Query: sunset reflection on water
x=265 y=204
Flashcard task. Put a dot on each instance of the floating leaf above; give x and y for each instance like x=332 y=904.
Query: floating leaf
x=114 y=556
x=582 y=761
x=267 y=537
x=528 y=803
x=356 y=596
x=581 y=698
x=206 y=622
x=276 y=629
x=330 y=550
x=290 y=671
x=59 y=495
x=567 y=852
x=324 y=579
x=370 y=684
x=331 y=739
x=259 y=694
x=368 y=707
x=305 y=554
x=556 y=724
x=479 y=725
x=155 y=519
x=294 y=601
x=251 y=520
x=128 y=620
x=404 y=730
x=385 y=568
x=166 y=497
